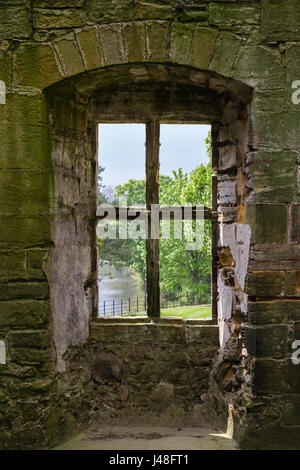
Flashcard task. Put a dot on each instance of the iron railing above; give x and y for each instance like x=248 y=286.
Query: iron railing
x=138 y=305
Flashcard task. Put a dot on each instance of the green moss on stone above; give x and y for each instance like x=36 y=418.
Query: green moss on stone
x=181 y=42
x=230 y=14
x=35 y=65
x=203 y=47
x=26 y=314
x=35 y=264
x=15 y=22
x=12 y=265
x=280 y=20
x=225 y=53
x=52 y=19
x=88 y=40
x=34 y=339
x=134 y=41
x=157 y=36
x=69 y=55
x=24 y=290
x=109 y=10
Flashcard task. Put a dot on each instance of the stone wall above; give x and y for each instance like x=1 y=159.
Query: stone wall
x=92 y=44
x=151 y=372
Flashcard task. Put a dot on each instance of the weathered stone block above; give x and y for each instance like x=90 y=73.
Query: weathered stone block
x=29 y=356
x=157 y=36
x=24 y=146
x=88 y=40
x=5 y=68
x=15 y=22
x=35 y=65
x=24 y=290
x=227 y=191
x=68 y=115
x=272 y=341
x=181 y=43
x=203 y=47
x=162 y=10
x=273 y=257
x=35 y=264
x=268 y=222
x=276 y=377
x=275 y=130
x=225 y=15
x=34 y=339
x=265 y=283
x=229 y=158
x=52 y=19
x=266 y=428
x=26 y=314
x=69 y=56
x=280 y=20
x=112 y=44
x=193 y=13
x=58 y=3
x=134 y=41
x=19 y=185
x=24 y=208
x=109 y=10
x=12 y=265
x=292 y=283
x=292 y=64
x=24 y=232
x=260 y=66
x=295 y=223
x=273 y=311
x=272 y=176
x=236 y=132
x=292 y=411
x=269 y=101
x=225 y=53
x=24 y=109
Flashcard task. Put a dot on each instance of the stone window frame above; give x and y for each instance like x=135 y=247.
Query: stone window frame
x=152 y=163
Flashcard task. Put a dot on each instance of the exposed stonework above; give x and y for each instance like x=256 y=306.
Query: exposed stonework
x=56 y=59
x=158 y=372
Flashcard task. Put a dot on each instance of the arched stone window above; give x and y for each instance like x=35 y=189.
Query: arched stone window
x=149 y=94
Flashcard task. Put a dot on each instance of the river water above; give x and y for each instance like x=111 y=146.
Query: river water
x=117 y=285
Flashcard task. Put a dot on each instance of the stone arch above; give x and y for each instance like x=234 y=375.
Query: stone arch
x=40 y=65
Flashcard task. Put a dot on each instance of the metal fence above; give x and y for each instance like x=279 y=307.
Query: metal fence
x=138 y=305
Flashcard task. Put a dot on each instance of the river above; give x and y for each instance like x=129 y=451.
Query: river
x=116 y=286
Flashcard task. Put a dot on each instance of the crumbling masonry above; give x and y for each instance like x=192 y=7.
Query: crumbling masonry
x=66 y=65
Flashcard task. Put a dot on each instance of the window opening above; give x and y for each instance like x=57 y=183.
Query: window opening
x=137 y=242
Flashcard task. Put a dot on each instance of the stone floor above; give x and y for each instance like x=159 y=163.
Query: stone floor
x=150 y=438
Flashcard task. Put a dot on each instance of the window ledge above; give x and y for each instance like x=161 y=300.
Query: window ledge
x=146 y=320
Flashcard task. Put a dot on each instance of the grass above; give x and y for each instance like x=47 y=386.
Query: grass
x=198 y=311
